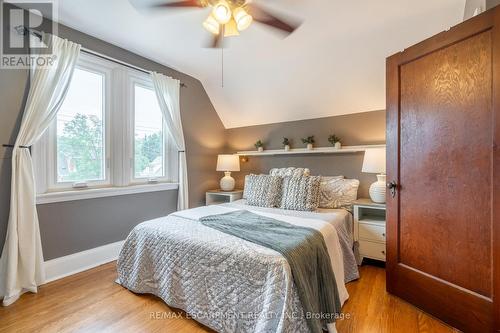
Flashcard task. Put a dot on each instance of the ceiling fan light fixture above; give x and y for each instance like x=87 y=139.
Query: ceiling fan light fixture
x=222 y=12
x=212 y=25
x=230 y=29
x=242 y=18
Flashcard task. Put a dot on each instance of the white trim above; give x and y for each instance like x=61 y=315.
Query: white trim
x=62 y=196
x=119 y=143
x=78 y=262
x=104 y=69
x=120 y=133
x=144 y=81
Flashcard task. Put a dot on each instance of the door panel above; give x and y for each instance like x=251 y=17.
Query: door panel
x=445 y=151
x=442 y=237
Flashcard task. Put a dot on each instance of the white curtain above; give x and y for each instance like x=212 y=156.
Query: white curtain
x=168 y=91
x=22 y=258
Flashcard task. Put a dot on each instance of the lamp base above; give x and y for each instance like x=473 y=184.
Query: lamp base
x=378 y=189
x=227 y=182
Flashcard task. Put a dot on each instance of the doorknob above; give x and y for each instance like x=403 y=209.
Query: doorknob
x=393 y=187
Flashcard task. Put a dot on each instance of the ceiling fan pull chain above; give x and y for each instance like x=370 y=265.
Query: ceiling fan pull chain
x=222 y=60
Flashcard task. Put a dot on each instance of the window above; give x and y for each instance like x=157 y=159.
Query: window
x=109 y=132
x=149 y=155
x=80 y=126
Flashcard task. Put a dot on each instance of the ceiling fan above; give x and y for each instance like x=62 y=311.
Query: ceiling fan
x=229 y=17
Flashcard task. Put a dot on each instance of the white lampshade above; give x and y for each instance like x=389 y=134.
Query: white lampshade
x=228 y=163
x=374 y=161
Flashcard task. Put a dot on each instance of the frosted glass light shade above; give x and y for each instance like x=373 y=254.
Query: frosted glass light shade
x=243 y=20
x=374 y=161
x=228 y=163
x=211 y=25
x=222 y=12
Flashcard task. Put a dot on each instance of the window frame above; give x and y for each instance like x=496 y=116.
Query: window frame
x=92 y=65
x=119 y=136
x=144 y=81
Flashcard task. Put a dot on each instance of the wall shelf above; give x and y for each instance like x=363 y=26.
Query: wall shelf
x=318 y=150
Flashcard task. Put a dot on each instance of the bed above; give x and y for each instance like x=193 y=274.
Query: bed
x=225 y=282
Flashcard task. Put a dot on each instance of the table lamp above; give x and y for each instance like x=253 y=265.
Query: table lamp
x=228 y=163
x=374 y=162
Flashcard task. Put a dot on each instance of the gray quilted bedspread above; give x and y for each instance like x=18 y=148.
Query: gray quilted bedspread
x=305 y=251
x=222 y=281
x=343 y=226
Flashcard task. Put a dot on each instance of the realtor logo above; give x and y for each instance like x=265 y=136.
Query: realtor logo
x=21 y=24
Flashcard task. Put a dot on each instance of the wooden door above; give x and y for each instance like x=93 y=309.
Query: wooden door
x=443 y=132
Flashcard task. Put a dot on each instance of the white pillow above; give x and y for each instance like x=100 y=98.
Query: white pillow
x=337 y=192
x=290 y=172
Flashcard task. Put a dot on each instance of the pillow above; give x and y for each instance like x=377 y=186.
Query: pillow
x=338 y=192
x=300 y=193
x=288 y=172
x=263 y=190
x=325 y=188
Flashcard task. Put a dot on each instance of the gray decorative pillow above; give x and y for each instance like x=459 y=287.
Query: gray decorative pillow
x=338 y=192
x=263 y=190
x=290 y=172
x=301 y=193
x=326 y=190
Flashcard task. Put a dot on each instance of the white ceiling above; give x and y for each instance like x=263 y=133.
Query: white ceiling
x=333 y=64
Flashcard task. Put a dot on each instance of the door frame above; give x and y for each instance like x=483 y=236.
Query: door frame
x=441 y=298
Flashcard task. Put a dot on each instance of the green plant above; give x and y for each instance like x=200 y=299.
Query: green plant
x=309 y=139
x=286 y=142
x=80 y=148
x=259 y=144
x=333 y=139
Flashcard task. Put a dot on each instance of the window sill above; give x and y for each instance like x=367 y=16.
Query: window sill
x=92 y=193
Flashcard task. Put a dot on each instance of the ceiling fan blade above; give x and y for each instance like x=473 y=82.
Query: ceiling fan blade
x=177 y=4
x=263 y=16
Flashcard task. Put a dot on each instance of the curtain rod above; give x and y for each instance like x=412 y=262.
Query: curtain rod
x=22 y=30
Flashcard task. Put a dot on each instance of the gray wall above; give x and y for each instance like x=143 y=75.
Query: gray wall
x=492 y=3
x=355 y=129
x=203 y=143
x=71 y=227
x=74 y=226
x=471 y=5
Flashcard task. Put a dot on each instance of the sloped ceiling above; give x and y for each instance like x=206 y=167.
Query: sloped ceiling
x=333 y=64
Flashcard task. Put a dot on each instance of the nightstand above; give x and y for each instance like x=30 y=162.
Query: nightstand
x=215 y=197
x=369 y=229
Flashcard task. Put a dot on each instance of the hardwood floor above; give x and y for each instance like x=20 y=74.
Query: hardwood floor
x=372 y=309
x=92 y=302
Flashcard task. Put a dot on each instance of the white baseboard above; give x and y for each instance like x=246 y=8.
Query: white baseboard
x=78 y=262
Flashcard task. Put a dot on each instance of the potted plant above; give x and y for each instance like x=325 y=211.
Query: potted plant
x=335 y=141
x=309 y=141
x=286 y=144
x=259 y=145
